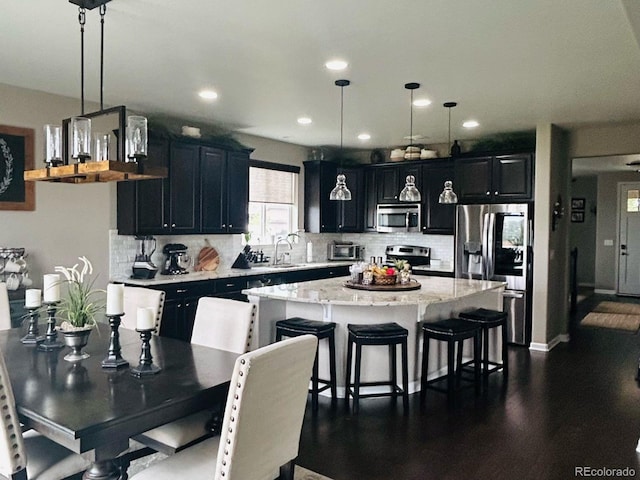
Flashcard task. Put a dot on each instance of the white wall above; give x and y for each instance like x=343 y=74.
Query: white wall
x=583 y=235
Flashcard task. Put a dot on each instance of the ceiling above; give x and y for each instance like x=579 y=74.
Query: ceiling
x=509 y=64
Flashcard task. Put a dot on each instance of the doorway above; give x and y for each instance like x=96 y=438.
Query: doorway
x=629 y=238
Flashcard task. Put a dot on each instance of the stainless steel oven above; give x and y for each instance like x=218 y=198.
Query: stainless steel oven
x=398 y=217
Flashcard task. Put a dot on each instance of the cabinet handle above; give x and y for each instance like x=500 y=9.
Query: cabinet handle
x=230 y=226
x=173 y=225
x=495 y=193
x=395 y=197
x=165 y=225
x=224 y=225
x=488 y=193
x=181 y=290
x=230 y=285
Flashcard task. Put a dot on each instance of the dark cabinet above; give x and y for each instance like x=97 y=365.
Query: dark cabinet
x=390 y=180
x=224 y=190
x=179 y=311
x=183 y=207
x=437 y=218
x=322 y=215
x=206 y=191
x=351 y=213
x=370 y=200
x=494 y=178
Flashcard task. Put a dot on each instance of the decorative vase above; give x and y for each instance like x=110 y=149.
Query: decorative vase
x=76 y=340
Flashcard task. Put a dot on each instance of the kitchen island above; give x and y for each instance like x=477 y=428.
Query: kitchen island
x=329 y=300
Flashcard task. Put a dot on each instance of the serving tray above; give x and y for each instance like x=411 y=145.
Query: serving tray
x=398 y=287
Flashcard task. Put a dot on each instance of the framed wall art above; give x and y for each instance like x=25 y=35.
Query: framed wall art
x=577 y=203
x=16 y=156
x=577 y=217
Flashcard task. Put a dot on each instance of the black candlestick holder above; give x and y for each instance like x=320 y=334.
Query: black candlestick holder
x=32 y=337
x=51 y=341
x=146 y=366
x=114 y=358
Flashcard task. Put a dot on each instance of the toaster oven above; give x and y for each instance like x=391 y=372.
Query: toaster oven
x=345 y=251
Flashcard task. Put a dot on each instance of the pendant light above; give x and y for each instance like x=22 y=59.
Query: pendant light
x=410 y=193
x=448 y=195
x=340 y=191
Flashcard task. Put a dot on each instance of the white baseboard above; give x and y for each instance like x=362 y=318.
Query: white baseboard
x=547 y=347
x=604 y=292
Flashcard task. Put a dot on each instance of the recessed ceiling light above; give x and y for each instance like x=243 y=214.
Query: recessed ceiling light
x=336 y=65
x=304 y=120
x=364 y=136
x=208 y=94
x=421 y=102
x=470 y=124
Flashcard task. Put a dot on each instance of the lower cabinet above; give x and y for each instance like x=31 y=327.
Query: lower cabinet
x=181 y=299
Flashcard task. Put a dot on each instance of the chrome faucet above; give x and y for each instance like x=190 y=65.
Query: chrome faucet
x=276 y=257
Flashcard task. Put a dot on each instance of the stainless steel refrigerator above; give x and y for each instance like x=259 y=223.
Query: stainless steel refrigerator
x=495 y=242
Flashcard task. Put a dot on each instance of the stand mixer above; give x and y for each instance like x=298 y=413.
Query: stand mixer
x=143 y=267
x=177 y=257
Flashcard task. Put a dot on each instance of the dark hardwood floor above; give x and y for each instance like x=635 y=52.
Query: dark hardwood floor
x=577 y=406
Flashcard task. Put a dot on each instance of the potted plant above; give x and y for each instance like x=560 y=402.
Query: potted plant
x=79 y=307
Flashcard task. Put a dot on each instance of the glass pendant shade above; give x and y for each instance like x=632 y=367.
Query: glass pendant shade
x=136 y=138
x=448 y=195
x=52 y=145
x=340 y=191
x=410 y=193
x=101 y=146
x=80 y=138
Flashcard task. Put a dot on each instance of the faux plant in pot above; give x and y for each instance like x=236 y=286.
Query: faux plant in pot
x=78 y=309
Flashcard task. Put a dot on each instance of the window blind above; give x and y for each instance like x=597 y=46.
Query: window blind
x=271 y=186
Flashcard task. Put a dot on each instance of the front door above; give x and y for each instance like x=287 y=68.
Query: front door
x=629 y=239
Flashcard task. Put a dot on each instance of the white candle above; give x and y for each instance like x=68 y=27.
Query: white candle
x=115 y=299
x=52 y=287
x=32 y=298
x=145 y=319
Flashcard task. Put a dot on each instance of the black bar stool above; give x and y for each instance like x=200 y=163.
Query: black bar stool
x=296 y=326
x=452 y=331
x=486 y=320
x=390 y=334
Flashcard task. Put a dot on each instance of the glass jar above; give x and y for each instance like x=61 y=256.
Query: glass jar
x=367 y=277
x=405 y=277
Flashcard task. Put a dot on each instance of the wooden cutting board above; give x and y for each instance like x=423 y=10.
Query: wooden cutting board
x=208 y=259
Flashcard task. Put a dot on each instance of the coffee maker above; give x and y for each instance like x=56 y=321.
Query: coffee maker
x=176 y=259
x=143 y=267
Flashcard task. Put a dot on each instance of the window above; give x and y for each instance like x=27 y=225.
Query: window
x=273 y=194
x=633 y=200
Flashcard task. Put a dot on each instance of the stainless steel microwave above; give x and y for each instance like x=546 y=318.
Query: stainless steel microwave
x=398 y=217
x=339 y=251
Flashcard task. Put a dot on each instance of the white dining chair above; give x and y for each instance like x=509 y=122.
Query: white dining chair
x=262 y=420
x=5 y=310
x=31 y=455
x=138 y=297
x=219 y=323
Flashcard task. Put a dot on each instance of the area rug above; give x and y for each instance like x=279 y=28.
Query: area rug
x=618 y=307
x=136 y=466
x=618 y=321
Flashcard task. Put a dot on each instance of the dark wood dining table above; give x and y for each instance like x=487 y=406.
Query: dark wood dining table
x=95 y=411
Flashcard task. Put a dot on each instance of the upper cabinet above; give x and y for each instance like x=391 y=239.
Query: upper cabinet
x=437 y=218
x=207 y=191
x=391 y=179
x=494 y=178
x=322 y=215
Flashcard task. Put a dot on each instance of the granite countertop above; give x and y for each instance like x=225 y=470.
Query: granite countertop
x=222 y=272
x=332 y=291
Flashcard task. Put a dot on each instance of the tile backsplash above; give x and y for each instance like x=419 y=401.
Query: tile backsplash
x=122 y=248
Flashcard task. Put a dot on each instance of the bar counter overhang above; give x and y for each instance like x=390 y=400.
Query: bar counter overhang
x=330 y=301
